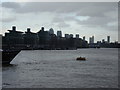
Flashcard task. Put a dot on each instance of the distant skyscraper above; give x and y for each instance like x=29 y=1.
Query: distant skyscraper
x=92 y=39
x=59 y=34
x=84 y=38
x=108 y=39
x=51 y=31
x=77 y=36
x=14 y=28
x=71 y=35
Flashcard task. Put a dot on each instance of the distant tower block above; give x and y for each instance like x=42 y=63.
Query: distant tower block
x=71 y=35
x=67 y=36
x=28 y=29
x=84 y=38
x=77 y=36
x=92 y=39
x=14 y=28
x=108 y=39
x=59 y=33
x=51 y=31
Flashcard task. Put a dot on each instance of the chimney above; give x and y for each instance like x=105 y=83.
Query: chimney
x=42 y=28
x=14 y=28
x=28 y=29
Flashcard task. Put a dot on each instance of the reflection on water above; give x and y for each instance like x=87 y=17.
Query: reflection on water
x=59 y=69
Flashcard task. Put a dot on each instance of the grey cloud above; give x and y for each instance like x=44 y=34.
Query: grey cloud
x=82 y=8
x=92 y=9
x=8 y=20
x=58 y=19
x=96 y=21
x=97 y=9
x=12 y=5
x=99 y=12
x=63 y=24
x=42 y=7
x=60 y=22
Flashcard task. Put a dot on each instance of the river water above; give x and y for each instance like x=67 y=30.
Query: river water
x=59 y=69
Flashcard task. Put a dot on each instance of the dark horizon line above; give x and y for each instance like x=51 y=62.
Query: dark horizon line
x=54 y=33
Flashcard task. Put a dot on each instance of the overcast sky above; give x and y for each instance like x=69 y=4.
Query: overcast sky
x=84 y=18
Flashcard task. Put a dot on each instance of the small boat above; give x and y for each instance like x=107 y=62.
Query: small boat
x=81 y=58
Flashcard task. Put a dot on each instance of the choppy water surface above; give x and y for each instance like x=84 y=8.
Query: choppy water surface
x=59 y=69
